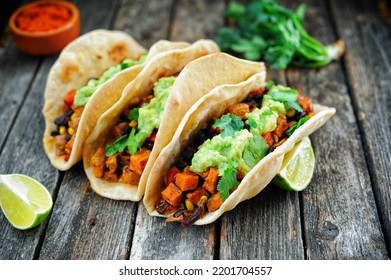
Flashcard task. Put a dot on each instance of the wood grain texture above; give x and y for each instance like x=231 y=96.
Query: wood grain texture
x=145 y=21
x=368 y=65
x=85 y=225
x=340 y=216
x=17 y=72
x=197 y=20
x=156 y=239
x=23 y=153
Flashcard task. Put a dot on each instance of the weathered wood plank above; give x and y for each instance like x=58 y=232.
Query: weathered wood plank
x=23 y=153
x=153 y=238
x=84 y=225
x=197 y=20
x=146 y=21
x=340 y=216
x=17 y=72
x=368 y=65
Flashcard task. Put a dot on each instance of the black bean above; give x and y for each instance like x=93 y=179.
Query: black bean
x=298 y=115
x=63 y=120
x=149 y=145
x=126 y=131
x=194 y=217
x=55 y=132
x=68 y=137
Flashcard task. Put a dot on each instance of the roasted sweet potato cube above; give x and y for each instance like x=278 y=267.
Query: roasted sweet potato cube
x=163 y=207
x=210 y=183
x=214 y=202
x=195 y=195
x=239 y=109
x=268 y=136
x=186 y=181
x=124 y=160
x=282 y=126
x=305 y=102
x=112 y=177
x=98 y=162
x=129 y=177
x=172 y=194
x=139 y=160
x=112 y=163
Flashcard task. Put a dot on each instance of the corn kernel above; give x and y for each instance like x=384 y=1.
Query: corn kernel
x=290 y=113
x=202 y=201
x=133 y=123
x=73 y=116
x=189 y=205
x=71 y=131
x=63 y=130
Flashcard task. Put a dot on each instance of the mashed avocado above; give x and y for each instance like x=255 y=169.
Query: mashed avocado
x=150 y=114
x=222 y=152
x=83 y=94
x=273 y=105
x=262 y=120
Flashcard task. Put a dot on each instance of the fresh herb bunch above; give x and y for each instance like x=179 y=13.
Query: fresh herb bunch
x=265 y=30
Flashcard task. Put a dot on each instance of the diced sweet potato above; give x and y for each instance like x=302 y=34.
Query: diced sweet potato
x=210 y=183
x=186 y=181
x=282 y=126
x=172 y=194
x=163 y=207
x=124 y=160
x=268 y=136
x=112 y=163
x=239 y=109
x=139 y=160
x=305 y=103
x=214 y=202
x=98 y=162
x=112 y=177
x=195 y=195
x=129 y=177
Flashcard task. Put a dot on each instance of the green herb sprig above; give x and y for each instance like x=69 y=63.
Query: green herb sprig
x=265 y=30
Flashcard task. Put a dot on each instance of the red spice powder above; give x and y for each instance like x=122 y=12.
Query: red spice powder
x=43 y=17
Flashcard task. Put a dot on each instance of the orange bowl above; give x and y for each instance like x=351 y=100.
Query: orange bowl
x=45 y=42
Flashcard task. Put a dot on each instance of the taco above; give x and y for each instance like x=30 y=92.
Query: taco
x=120 y=153
x=227 y=148
x=87 y=79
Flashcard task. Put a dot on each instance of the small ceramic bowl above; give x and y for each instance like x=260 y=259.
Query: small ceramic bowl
x=45 y=42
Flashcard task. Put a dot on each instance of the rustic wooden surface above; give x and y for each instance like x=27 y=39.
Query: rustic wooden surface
x=343 y=214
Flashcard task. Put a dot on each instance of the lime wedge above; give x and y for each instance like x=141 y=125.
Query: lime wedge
x=24 y=201
x=297 y=167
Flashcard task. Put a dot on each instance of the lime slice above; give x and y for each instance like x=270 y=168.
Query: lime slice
x=24 y=201
x=297 y=167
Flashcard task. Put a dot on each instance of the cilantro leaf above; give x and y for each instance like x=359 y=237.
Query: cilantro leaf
x=255 y=150
x=135 y=141
x=228 y=124
x=119 y=145
x=133 y=114
x=292 y=129
x=227 y=182
x=287 y=96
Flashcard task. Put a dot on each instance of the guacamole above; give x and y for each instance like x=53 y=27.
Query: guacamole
x=83 y=94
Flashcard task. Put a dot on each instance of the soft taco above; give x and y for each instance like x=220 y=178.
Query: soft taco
x=87 y=79
x=227 y=148
x=120 y=153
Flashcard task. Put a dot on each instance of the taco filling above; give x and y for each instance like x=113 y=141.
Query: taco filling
x=125 y=156
x=211 y=167
x=74 y=103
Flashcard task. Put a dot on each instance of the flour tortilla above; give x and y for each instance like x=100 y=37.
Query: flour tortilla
x=211 y=106
x=198 y=77
x=87 y=57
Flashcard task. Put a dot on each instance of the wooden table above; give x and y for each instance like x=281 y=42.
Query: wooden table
x=343 y=214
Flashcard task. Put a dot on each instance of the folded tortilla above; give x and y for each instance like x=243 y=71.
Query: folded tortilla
x=87 y=57
x=213 y=105
x=198 y=72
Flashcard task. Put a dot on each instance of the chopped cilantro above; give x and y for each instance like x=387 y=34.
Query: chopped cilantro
x=292 y=129
x=119 y=145
x=133 y=114
x=228 y=124
x=255 y=150
x=286 y=95
x=227 y=182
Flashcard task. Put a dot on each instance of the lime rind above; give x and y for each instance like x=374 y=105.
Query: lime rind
x=24 y=201
x=297 y=168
